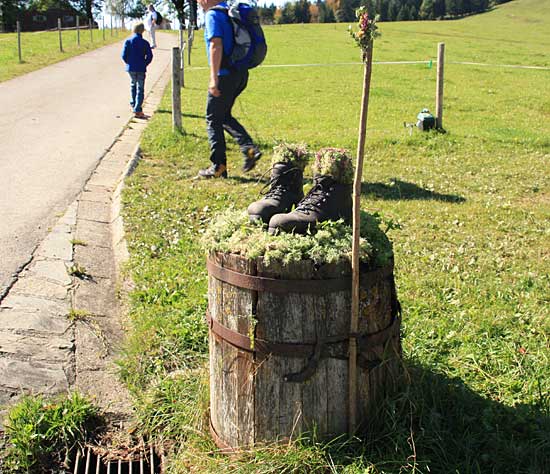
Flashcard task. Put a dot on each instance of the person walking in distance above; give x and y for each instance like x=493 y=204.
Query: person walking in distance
x=225 y=85
x=137 y=55
x=151 y=24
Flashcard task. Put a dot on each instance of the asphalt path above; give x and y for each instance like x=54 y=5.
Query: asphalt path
x=55 y=125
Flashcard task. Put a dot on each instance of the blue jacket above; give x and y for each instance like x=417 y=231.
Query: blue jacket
x=137 y=54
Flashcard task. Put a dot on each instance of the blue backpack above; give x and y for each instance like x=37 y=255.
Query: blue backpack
x=249 y=46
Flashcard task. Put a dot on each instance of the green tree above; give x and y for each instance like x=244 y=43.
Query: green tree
x=8 y=14
x=453 y=7
x=393 y=10
x=43 y=5
x=301 y=11
x=345 y=12
x=427 y=10
x=287 y=14
x=326 y=14
x=439 y=8
x=267 y=14
x=404 y=13
x=382 y=9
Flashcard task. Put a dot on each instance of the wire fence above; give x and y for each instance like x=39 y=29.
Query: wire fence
x=94 y=31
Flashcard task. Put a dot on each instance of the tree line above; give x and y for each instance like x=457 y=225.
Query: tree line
x=10 y=10
x=299 y=11
x=333 y=11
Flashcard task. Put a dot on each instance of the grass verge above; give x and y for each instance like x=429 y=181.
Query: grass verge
x=469 y=212
x=40 y=49
x=42 y=433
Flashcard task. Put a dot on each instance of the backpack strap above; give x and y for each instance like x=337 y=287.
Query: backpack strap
x=226 y=61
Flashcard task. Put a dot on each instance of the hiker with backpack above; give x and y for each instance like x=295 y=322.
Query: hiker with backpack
x=153 y=20
x=234 y=43
x=137 y=55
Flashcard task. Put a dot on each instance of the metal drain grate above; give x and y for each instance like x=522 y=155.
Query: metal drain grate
x=147 y=461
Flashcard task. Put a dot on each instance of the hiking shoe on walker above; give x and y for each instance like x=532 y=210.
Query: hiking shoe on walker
x=251 y=156
x=285 y=191
x=328 y=200
x=214 y=171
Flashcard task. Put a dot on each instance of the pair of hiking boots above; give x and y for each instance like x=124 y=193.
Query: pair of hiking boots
x=328 y=199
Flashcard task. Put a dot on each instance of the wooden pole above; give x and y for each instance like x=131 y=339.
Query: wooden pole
x=103 y=32
x=59 y=30
x=189 y=43
x=182 y=49
x=111 y=26
x=19 y=42
x=91 y=31
x=354 y=326
x=176 y=90
x=439 y=87
x=182 y=68
x=77 y=30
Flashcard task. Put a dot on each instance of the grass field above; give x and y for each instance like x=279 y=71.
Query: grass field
x=472 y=247
x=41 y=49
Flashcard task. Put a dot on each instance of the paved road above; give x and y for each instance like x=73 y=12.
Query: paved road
x=55 y=125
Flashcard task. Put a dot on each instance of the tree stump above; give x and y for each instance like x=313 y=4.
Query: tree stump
x=279 y=348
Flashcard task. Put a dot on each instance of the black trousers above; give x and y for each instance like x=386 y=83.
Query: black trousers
x=220 y=119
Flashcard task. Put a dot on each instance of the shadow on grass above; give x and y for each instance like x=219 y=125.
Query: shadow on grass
x=249 y=179
x=169 y=111
x=438 y=424
x=403 y=190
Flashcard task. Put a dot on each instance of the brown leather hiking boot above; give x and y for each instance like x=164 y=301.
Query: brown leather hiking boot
x=251 y=156
x=214 y=171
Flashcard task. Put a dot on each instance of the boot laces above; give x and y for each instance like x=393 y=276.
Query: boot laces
x=313 y=200
x=275 y=184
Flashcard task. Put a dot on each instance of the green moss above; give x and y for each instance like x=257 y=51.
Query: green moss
x=233 y=232
x=335 y=162
x=296 y=153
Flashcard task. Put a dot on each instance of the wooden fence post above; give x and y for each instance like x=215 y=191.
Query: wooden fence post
x=103 y=32
x=439 y=90
x=189 y=43
x=60 y=39
x=19 y=42
x=176 y=90
x=182 y=50
x=77 y=30
x=91 y=31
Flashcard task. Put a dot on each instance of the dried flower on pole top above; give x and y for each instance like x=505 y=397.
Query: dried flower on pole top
x=367 y=30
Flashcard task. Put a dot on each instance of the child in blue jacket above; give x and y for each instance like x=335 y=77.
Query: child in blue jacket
x=137 y=55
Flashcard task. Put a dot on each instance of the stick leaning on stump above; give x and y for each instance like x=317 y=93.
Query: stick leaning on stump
x=355 y=264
